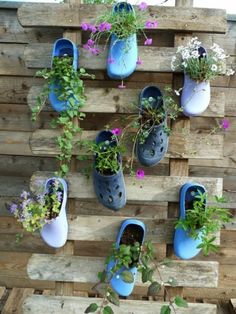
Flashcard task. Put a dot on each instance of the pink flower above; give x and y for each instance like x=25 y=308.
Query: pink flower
x=225 y=124
x=140 y=174
x=142 y=6
x=148 y=24
x=110 y=60
x=148 y=42
x=116 y=131
x=85 y=26
x=90 y=42
x=95 y=51
x=104 y=26
x=86 y=47
x=92 y=28
x=155 y=24
x=139 y=61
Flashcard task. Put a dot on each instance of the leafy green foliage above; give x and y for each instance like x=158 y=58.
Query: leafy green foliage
x=154 y=288
x=165 y=309
x=107 y=310
x=203 y=221
x=180 y=302
x=69 y=88
x=91 y=308
x=127 y=276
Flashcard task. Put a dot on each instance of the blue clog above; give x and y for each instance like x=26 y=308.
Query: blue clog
x=153 y=150
x=62 y=47
x=185 y=247
x=110 y=189
x=117 y=284
x=123 y=53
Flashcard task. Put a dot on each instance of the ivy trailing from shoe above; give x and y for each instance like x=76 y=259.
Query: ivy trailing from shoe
x=143 y=258
x=71 y=90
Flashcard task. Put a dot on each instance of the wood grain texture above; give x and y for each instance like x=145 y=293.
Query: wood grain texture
x=169 y=18
x=122 y=101
x=14 y=302
x=39 y=56
x=151 y=188
x=85 y=269
x=77 y=305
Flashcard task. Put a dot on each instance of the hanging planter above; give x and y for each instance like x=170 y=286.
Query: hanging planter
x=64 y=63
x=45 y=212
x=200 y=67
x=120 y=26
x=108 y=176
x=131 y=233
x=197 y=222
x=152 y=143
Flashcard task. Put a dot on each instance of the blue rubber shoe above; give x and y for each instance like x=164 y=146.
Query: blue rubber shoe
x=153 y=150
x=185 y=247
x=62 y=47
x=110 y=189
x=123 y=53
x=117 y=284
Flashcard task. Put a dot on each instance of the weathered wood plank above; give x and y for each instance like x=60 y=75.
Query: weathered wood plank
x=12 y=32
x=77 y=305
x=169 y=18
x=181 y=145
x=15 y=143
x=151 y=188
x=65 y=268
x=13 y=186
x=15 y=300
x=39 y=56
x=122 y=101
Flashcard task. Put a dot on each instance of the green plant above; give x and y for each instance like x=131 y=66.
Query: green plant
x=128 y=256
x=70 y=89
x=35 y=211
x=201 y=66
x=141 y=125
x=207 y=219
x=107 y=154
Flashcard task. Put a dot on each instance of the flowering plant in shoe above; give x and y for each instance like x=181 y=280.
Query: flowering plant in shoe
x=108 y=154
x=122 y=24
x=37 y=210
x=201 y=65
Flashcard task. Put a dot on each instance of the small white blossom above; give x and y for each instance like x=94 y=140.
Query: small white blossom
x=214 y=67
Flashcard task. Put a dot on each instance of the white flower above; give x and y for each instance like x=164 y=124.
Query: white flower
x=185 y=54
x=184 y=64
x=195 y=54
x=177 y=92
x=214 y=67
x=229 y=72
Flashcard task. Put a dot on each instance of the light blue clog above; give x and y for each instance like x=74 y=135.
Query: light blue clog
x=117 y=283
x=123 y=53
x=186 y=247
x=62 y=47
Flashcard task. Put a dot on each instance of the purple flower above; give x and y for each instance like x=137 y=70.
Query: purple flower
x=116 y=131
x=148 y=24
x=12 y=208
x=140 y=174
x=85 y=26
x=92 y=28
x=90 y=42
x=225 y=124
x=95 y=51
x=104 y=26
x=139 y=61
x=142 y=6
x=148 y=42
x=24 y=194
x=59 y=196
x=110 y=60
x=155 y=24
x=86 y=47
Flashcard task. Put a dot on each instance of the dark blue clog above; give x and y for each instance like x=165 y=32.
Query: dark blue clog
x=118 y=285
x=153 y=150
x=186 y=247
x=110 y=189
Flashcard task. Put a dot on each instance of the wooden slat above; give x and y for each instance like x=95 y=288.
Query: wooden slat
x=151 y=188
x=181 y=145
x=77 y=305
x=15 y=300
x=85 y=269
x=122 y=101
x=169 y=18
x=39 y=56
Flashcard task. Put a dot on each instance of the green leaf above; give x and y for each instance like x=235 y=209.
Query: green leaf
x=147 y=274
x=91 y=308
x=108 y=310
x=113 y=298
x=127 y=276
x=180 y=301
x=165 y=309
x=154 y=288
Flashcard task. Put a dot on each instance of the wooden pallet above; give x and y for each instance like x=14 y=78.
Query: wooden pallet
x=64 y=268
